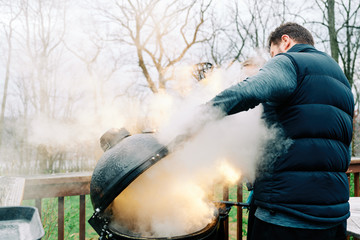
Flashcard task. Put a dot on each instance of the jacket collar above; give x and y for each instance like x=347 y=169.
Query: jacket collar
x=301 y=48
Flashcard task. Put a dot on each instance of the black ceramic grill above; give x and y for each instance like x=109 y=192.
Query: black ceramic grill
x=124 y=159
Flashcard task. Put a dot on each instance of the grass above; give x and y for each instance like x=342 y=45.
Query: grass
x=49 y=214
x=352 y=188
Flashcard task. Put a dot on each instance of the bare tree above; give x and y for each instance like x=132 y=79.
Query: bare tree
x=227 y=39
x=8 y=29
x=341 y=18
x=344 y=37
x=248 y=26
x=43 y=29
x=356 y=133
x=94 y=66
x=334 y=46
x=162 y=32
x=351 y=39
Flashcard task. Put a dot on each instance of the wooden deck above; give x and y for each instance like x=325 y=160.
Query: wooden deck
x=78 y=184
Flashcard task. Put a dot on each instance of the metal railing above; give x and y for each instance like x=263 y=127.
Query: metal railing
x=78 y=184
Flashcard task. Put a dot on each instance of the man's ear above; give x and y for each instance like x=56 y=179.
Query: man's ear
x=288 y=42
x=285 y=37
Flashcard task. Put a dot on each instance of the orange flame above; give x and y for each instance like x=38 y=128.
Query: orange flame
x=230 y=174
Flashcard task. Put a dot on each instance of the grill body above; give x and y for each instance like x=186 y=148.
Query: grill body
x=213 y=231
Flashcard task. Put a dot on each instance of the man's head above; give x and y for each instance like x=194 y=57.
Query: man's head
x=287 y=35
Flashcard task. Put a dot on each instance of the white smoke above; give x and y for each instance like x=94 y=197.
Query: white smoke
x=172 y=197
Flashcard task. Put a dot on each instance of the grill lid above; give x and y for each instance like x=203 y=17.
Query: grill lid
x=125 y=158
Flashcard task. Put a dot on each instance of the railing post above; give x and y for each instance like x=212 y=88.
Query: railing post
x=61 y=214
x=226 y=198
x=82 y=218
x=239 y=211
x=38 y=205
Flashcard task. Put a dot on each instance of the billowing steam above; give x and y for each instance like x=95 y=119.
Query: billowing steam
x=173 y=197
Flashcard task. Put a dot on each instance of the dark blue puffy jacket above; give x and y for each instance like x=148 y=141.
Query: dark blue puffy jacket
x=309 y=181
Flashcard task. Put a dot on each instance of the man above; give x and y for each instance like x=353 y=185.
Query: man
x=304 y=193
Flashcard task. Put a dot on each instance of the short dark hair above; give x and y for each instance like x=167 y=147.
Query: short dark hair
x=294 y=30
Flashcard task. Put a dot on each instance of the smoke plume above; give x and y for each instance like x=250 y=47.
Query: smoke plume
x=174 y=197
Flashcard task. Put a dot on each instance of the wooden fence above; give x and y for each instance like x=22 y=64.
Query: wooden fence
x=78 y=184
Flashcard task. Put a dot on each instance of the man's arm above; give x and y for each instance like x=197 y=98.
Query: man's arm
x=274 y=83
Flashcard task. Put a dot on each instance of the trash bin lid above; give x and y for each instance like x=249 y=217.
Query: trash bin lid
x=20 y=222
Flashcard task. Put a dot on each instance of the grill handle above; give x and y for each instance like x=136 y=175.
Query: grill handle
x=230 y=204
